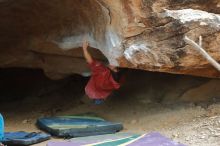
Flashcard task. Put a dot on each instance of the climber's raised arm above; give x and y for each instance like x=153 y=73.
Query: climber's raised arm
x=103 y=80
x=86 y=53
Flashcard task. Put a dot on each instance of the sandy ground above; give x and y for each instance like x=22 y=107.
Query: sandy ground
x=190 y=124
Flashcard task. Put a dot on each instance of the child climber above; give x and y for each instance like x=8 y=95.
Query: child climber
x=104 y=79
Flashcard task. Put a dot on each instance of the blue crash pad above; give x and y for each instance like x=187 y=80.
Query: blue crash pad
x=78 y=126
x=1 y=127
x=24 y=138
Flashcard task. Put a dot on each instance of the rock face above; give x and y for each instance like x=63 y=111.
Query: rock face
x=139 y=34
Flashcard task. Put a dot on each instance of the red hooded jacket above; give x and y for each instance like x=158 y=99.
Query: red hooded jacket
x=101 y=83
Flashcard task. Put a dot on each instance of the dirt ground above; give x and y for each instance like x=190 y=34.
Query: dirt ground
x=193 y=124
x=187 y=123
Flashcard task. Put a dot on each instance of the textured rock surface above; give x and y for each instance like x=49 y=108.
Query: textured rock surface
x=141 y=34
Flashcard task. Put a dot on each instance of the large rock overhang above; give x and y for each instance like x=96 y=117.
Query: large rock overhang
x=139 y=34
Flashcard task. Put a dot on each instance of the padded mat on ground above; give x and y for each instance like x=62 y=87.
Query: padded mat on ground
x=94 y=139
x=120 y=139
x=24 y=138
x=78 y=126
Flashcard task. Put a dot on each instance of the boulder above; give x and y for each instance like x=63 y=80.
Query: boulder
x=137 y=34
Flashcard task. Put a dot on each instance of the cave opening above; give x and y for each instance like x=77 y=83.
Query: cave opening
x=23 y=83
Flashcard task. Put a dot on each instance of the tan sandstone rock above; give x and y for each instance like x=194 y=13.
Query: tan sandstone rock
x=139 y=34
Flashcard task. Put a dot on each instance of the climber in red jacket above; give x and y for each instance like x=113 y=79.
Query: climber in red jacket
x=104 y=79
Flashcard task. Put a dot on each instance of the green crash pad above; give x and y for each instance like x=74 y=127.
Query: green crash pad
x=78 y=125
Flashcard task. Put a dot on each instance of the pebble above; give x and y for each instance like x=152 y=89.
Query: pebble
x=217 y=134
x=202 y=137
x=26 y=121
x=175 y=135
x=187 y=139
